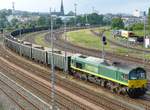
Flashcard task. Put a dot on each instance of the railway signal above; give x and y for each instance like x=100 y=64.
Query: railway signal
x=144 y=17
x=104 y=40
x=103 y=45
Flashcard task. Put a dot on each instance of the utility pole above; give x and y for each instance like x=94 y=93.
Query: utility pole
x=128 y=42
x=65 y=49
x=103 y=54
x=13 y=8
x=103 y=50
x=3 y=39
x=75 y=10
x=20 y=32
x=20 y=38
x=144 y=38
x=86 y=22
x=52 y=65
x=93 y=9
x=3 y=32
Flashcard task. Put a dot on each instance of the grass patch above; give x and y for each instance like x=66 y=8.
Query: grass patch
x=85 y=38
x=40 y=40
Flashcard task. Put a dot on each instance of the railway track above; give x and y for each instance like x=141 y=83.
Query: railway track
x=42 y=90
x=77 y=90
x=70 y=85
x=63 y=45
x=90 y=94
x=21 y=101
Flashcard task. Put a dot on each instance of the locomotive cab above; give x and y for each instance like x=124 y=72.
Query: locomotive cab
x=137 y=82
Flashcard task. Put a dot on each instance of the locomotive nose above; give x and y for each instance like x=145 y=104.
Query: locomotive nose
x=137 y=83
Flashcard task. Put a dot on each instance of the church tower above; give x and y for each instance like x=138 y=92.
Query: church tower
x=62 y=8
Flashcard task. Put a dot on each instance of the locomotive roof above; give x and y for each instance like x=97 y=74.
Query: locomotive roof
x=105 y=63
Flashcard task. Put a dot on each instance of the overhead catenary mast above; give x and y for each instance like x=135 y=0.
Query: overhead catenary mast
x=75 y=14
x=52 y=64
x=93 y=9
x=144 y=38
x=86 y=20
x=65 y=49
x=13 y=8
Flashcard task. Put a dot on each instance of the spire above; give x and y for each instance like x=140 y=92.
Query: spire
x=62 y=8
x=13 y=8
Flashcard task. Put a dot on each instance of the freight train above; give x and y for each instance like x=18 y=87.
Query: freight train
x=118 y=77
x=122 y=33
x=128 y=35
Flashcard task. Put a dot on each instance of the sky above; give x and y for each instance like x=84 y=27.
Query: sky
x=83 y=6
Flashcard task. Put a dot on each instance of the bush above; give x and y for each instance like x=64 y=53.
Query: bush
x=137 y=26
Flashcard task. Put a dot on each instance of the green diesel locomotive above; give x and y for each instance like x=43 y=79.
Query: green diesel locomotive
x=115 y=76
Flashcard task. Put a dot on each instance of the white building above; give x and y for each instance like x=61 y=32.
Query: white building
x=138 y=13
x=129 y=20
x=147 y=42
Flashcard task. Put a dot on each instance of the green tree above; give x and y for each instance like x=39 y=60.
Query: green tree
x=6 y=12
x=95 y=19
x=42 y=21
x=92 y=19
x=59 y=22
x=117 y=23
x=81 y=20
x=14 y=22
x=32 y=23
x=71 y=22
x=3 y=20
x=137 y=26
